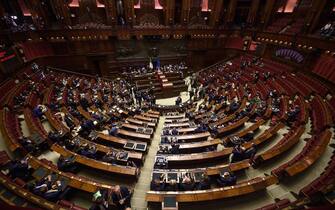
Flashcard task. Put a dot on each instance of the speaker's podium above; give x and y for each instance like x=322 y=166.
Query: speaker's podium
x=170 y=203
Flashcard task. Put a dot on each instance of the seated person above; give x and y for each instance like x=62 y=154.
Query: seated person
x=40 y=189
x=114 y=130
x=174 y=139
x=122 y=155
x=161 y=162
x=235 y=140
x=121 y=197
x=248 y=137
x=240 y=153
x=131 y=163
x=54 y=192
x=55 y=136
x=66 y=164
x=201 y=128
x=28 y=144
x=189 y=115
x=293 y=114
x=172 y=186
x=88 y=151
x=38 y=111
x=19 y=169
x=174 y=131
x=174 y=148
x=84 y=103
x=214 y=130
x=233 y=106
x=156 y=185
x=68 y=121
x=72 y=144
x=110 y=157
x=213 y=117
x=187 y=184
x=165 y=140
x=205 y=183
x=226 y=179
x=166 y=132
x=178 y=101
x=163 y=150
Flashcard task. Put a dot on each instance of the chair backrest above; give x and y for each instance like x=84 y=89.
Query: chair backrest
x=170 y=203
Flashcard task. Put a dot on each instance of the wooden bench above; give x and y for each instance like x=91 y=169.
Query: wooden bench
x=283 y=145
x=232 y=127
x=312 y=151
x=9 y=138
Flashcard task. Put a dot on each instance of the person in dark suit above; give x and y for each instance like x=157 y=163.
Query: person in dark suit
x=187 y=184
x=88 y=151
x=114 y=130
x=205 y=183
x=174 y=148
x=172 y=186
x=156 y=185
x=174 y=131
x=69 y=121
x=178 y=101
x=19 y=169
x=110 y=157
x=54 y=192
x=37 y=112
x=84 y=103
x=66 y=164
x=121 y=197
x=28 y=144
x=226 y=179
x=241 y=153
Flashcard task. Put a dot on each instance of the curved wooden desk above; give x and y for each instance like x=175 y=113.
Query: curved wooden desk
x=25 y=194
x=194 y=137
x=77 y=182
x=134 y=135
x=198 y=157
x=177 y=125
x=140 y=122
x=250 y=186
x=197 y=145
x=230 y=128
x=117 y=169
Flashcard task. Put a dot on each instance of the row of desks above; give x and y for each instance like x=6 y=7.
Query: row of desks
x=210 y=156
x=117 y=169
x=250 y=186
x=197 y=145
x=193 y=137
x=75 y=181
